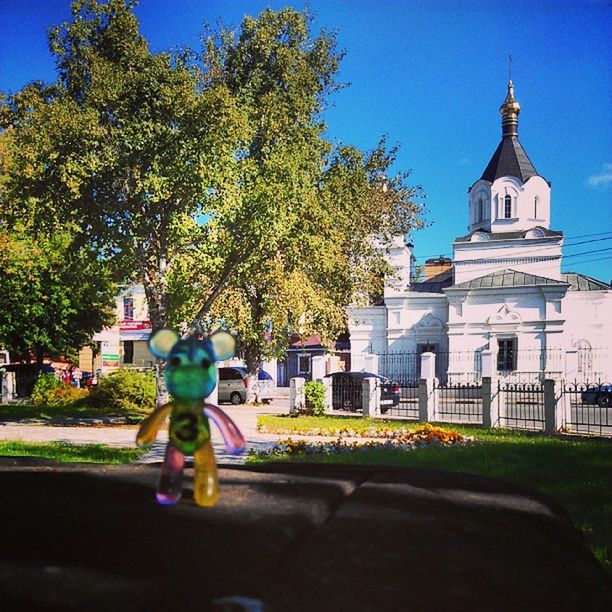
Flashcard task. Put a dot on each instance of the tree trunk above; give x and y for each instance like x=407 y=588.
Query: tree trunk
x=156 y=301
x=252 y=361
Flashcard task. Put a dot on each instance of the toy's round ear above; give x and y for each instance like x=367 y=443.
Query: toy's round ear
x=162 y=341
x=223 y=344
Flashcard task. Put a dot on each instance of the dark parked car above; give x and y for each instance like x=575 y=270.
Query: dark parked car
x=347 y=391
x=598 y=394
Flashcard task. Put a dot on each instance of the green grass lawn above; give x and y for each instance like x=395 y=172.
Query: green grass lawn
x=62 y=451
x=17 y=412
x=575 y=473
x=325 y=425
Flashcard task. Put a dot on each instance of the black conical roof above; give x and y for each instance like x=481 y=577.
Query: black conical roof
x=509 y=159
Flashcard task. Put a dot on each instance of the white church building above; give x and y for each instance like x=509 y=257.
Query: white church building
x=503 y=290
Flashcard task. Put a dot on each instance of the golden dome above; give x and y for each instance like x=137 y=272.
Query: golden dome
x=510 y=105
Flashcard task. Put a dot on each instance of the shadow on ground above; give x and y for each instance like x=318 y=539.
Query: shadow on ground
x=294 y=537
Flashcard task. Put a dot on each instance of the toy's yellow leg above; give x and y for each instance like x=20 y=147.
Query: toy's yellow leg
x=206 y=485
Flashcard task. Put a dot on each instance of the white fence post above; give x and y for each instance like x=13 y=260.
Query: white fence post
x=318 y=367
x=490 y=398
x=297 y=399
x=371 y=397
x=498 y=403
x=488 y=413
x=487 y=364
x=553 y=418
x=8 y=387
x=370 y=364
x=427 y=391
x=328 y=397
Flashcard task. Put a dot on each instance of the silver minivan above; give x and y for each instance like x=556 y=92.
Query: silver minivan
x=233 y=385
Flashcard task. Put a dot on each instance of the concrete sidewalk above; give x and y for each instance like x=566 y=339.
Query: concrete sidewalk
x=125 y=436
x=322 y=538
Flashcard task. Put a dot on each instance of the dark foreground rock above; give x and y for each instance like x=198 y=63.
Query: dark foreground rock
x=91 y=537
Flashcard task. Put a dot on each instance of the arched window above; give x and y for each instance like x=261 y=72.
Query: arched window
x=585 y=357
x=508 y=207
x=536 y=201
x=480 y=210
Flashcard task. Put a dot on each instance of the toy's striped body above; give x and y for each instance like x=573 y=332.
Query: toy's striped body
x=189 y=427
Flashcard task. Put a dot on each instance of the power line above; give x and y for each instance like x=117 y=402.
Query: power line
x=535 y=253
x=586 y=252
x=488 y=259
x=579 y=263
x=538 y=268
x=530 y=250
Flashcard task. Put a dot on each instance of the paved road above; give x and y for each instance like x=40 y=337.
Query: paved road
x=244 y=416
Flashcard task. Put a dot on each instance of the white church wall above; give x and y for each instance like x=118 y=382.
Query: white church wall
x=401 y=326
x=368 y=333
x=589 y=322
x=531 y=212
x=540 y=256
x=478 y=318
x=399 y=256
x=522 y=202
x=589 y=330
x=421 y=320
x=480 y=306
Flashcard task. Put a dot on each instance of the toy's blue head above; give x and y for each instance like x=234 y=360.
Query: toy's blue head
x=190 y=371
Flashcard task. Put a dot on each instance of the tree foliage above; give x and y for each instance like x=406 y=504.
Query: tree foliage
x=325 y=209
x=53 y=295
x=209 y=177
x=128 y=145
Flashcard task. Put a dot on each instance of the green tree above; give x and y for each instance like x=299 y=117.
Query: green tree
x=53 y=296
x=208 y=179
x=323 y=211
x=131 y=147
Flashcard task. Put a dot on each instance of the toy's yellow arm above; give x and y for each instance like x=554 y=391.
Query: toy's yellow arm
x=150 y=426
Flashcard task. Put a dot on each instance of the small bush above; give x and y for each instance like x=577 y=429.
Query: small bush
x=125 y=391
x=44 y=388
x=314 y=393
x=49 y=391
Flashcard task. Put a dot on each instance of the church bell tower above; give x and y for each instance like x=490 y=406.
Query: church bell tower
x=509 y=213
x=510 y=195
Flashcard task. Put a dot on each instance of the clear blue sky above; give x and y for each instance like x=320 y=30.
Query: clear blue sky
x=431 y=75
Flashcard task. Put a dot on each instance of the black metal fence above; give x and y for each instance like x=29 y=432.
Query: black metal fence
x=461 y=367
x=588 y=407
x=400 y=366
x=347 y=394
x=458 y=366
x=408 y=406
x=527 y=366
x=24 y=383
x=459 y=403
x=521 y=405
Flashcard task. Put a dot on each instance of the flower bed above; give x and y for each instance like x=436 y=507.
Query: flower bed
x=421 y=436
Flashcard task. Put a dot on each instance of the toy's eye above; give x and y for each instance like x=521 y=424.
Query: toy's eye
x=175 y=361
x=205 y=363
